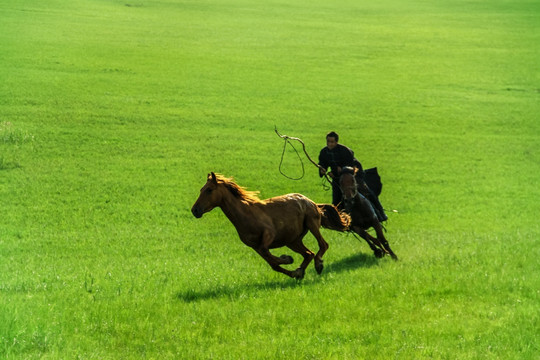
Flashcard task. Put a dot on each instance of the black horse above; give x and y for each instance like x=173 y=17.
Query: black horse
x=363 y=214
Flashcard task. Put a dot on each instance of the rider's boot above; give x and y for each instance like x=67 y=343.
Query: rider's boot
x=378 y=207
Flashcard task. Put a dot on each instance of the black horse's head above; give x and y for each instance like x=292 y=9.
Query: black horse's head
x=349 y=187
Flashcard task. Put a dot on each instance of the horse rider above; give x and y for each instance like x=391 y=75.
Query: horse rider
x=338 y=157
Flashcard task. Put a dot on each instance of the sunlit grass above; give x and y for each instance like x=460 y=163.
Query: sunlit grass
x=11 y=141
x=112 y=115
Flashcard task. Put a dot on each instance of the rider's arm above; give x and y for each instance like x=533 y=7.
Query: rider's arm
x=323 y=163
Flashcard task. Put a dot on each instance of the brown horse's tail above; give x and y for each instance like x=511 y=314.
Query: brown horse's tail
x=334 y=219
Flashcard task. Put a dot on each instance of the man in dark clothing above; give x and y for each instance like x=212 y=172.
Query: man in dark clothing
x=336 y=156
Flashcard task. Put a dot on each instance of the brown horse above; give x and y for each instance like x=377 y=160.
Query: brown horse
x=363 y=215
x=271 y=223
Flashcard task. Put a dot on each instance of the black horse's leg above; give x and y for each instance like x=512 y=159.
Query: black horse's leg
x=378 y=250
x=380 y=236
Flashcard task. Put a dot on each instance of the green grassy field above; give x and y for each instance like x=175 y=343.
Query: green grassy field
x=113 y=112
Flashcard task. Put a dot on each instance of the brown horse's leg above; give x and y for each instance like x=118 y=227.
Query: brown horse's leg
x=299 y=247
x=275 y=262
x=314 y=227
x=380 y=236
x=373 y=243
x=272 y=260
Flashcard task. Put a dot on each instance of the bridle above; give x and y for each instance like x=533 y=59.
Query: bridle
x=349 y=200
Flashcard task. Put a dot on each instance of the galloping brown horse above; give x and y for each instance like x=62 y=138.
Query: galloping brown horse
x=363 y=215
x=271 y=223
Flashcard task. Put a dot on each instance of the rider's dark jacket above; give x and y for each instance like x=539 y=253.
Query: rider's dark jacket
x=340 y=156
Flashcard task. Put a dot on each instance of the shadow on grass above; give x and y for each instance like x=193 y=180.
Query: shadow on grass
x=352 y=262
x=235 y=291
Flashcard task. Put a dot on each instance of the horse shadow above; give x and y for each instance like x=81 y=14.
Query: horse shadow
x=236 y=291
x=352 y=262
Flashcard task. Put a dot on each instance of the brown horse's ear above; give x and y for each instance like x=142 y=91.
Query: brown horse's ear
x=214 y=179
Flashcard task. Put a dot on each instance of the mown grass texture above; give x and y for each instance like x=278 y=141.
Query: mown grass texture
x=112 y=113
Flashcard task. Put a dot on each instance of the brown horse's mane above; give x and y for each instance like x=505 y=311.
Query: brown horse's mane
x=250 y=197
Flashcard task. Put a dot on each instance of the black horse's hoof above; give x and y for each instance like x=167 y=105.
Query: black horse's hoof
x=286 y=259
x=378 y=253
x=298 y=274
x=319 y=266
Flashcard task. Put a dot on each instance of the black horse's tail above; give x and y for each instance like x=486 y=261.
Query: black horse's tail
x=334 y=219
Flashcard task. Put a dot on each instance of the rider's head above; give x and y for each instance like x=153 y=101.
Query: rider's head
x=332 y=139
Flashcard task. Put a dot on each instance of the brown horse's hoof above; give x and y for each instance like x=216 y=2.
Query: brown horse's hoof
x=394 y=256
x=286 y=259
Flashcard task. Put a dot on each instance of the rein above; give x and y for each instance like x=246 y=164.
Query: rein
x=349 y=201
x=354 y=187
x=353 y=196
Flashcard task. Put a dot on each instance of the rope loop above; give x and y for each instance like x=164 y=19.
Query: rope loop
x=287 y=141
x=325 y=181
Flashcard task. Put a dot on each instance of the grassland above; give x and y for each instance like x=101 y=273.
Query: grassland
x=113 y=112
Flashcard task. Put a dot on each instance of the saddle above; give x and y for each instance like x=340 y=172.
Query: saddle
x=369 y=186
x=370 y=177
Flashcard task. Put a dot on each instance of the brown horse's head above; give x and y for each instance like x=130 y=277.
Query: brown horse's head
x=216 y=188
x=209 y=198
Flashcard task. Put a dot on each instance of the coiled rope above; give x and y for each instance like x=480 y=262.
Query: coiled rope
x=288 y=139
